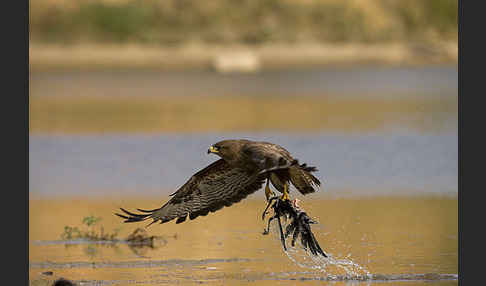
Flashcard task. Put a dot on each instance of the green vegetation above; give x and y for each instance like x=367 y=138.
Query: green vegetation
x=242 y=21
x=90 y=232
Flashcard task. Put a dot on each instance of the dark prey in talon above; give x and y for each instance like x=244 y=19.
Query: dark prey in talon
x=299 y=225
x=244 y=166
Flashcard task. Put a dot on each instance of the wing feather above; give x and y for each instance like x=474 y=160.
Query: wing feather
x=268 y=157
x=216 y=186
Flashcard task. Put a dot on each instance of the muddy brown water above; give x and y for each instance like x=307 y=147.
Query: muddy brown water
x=394 y=239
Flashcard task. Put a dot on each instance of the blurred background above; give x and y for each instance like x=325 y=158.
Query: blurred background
x=126 y=96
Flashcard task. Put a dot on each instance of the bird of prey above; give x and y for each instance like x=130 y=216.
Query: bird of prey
x=242 y=169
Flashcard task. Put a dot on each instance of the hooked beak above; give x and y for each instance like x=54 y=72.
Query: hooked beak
x=212 y=150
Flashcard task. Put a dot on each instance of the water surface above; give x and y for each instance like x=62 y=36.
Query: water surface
x=437 y=81
x=387 y=211
x=400 y=163
x=400 y=240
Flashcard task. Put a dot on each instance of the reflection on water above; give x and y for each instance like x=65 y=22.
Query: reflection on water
x=403 y=162
x=356 y=81
x=397 y=239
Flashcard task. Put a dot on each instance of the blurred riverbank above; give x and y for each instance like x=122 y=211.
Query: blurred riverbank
x=241 y=58
x=189 y=34
x=249 y=22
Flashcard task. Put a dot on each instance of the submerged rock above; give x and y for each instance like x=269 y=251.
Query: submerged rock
x=139 y=241
x=63 y=282
x=140 y=237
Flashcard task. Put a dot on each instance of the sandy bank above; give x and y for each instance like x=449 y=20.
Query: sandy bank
x=236 y=58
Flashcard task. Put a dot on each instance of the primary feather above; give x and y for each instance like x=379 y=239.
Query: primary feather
x=216 y=186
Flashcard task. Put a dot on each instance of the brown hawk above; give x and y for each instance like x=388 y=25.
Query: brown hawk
x=243 y=168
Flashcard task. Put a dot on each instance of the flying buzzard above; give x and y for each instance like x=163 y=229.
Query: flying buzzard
x=243 y=168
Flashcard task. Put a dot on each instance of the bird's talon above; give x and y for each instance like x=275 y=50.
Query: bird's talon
x=285 y=195
x=263 y=215
x=269 y=195
x=268 y=192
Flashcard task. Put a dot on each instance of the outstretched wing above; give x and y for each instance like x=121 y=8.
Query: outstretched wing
x=208 y=190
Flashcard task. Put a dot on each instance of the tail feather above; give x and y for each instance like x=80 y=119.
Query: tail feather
x=308 y=168
x=303 y=180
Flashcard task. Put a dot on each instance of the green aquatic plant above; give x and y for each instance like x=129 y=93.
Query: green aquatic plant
x=90 y=232
x=91 y=220
x=70 y=233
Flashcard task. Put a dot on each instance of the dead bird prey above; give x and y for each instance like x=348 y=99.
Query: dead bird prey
x=243 y=168
x=299 y=224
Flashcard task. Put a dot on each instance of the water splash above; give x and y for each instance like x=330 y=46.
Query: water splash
x=330 y=265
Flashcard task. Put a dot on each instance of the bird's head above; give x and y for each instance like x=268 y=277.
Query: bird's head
x=225 y=149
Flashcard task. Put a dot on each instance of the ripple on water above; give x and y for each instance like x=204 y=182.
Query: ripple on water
x=317 y=269
x=303 y=258
x=339 y=269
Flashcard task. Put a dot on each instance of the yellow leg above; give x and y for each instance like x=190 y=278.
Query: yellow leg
x=285 y=195
x=268 y=191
